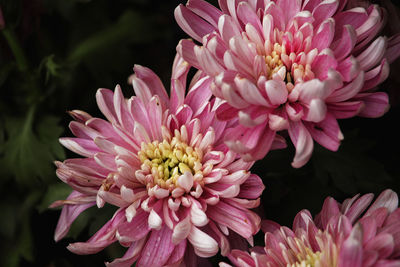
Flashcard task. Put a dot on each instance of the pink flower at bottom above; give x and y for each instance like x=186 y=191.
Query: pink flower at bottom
x=289 y=66
x=342 y=235
x=181 y=193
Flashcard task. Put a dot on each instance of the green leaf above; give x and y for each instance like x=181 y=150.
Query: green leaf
x=130 y=27
x=49 y=131
x=29 y=156
x=50 y=67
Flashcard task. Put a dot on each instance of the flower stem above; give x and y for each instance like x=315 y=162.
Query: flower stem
x=29 y=120
x=16 y=49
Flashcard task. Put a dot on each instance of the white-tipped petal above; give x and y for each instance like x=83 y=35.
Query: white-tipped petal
x=155 y=220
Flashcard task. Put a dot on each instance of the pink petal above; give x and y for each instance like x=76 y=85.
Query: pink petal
x=130 y=256
x=311 y=89
x=343 y=47
x=324 y=10
x=376 y=75
x=315 y=111
x=103 y=238
x=250 y=92
x=268 y=226
x=358 y=207
x=251 y=188
x=105 y=102
x=84 y=147
x=387 y=199
x=375 y=104
x=155 y=220
x=205 y=10
x=227 y=28
x=121 y=110
x=349 y=68
x=136 y=229
x=70 y=212
x=351 y=252
x=207 y=61
x=155 y=117
x=371 y=27
x=371 y=56
x=387 y=263
x=330 y=209
x=185 y=48
x=347 y=91
x=278 y=15
x=276 y=91
x=79 y=115
x=303 y=142
x=203 y=244
x=153 y=82
x=277 y=123
x=158 y=248
x=393 y=49
x=354 y=17
x=181 y=230
x=82 y=131
x=324 y=34
x=199 y=94
x=322 y=64
x=382 y=243
x=178 y=254
x=232 y=217
x=345 y=110
x=192 y=24
x=291 y=8
x=327 y=132
x=268 y=27
x=197 y=215
x=248 y=16
x=240 y=258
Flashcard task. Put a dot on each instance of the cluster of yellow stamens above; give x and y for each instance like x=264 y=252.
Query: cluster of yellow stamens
x=308 y=258
x=273 y=60
x=166 y=161
x=302 y=255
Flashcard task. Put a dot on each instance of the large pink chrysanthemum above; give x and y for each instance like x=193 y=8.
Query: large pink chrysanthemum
x=163 y=162
x=341 y=235
x=295 y=65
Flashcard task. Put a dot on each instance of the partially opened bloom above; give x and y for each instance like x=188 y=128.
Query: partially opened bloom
x=346 y=234
x=163 y=162
x=289 y=65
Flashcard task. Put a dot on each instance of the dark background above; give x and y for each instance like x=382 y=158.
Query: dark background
x=55 y=54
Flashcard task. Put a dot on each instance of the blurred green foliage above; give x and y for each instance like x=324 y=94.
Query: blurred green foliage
x=54 y=54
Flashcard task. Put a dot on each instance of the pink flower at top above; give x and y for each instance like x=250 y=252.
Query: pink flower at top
x=342 y=235
x=163 y=162
x=289 y=65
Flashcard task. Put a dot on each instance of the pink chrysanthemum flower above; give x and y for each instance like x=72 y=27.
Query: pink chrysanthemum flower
x=163 y=162
x=341 y=235
x=295 y=65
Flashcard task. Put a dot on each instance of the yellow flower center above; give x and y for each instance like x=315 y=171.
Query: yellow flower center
x=302 y=255
x=166 y=161
x=307 y=259
x=273 y=60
